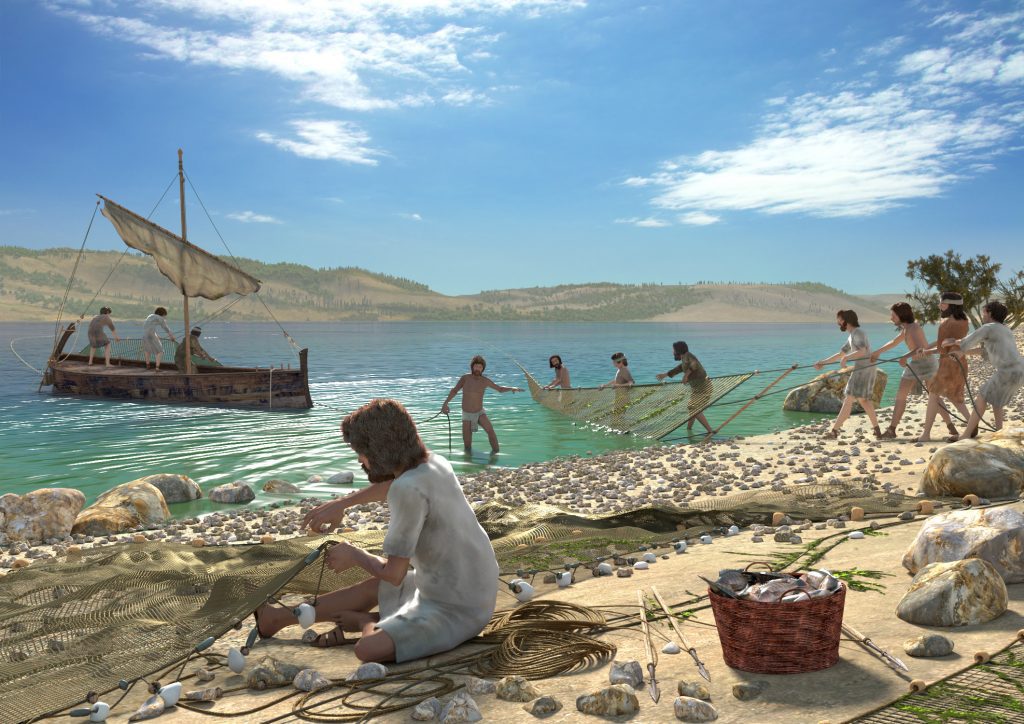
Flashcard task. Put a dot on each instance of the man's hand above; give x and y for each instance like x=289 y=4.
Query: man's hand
x=818 y=365
x=444 y=409
x=950 y=342
x=342 y=556
x=330 y=512
x=660 y=376
x=902 y=361
x=875 y=356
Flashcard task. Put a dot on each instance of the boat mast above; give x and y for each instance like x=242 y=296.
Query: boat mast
x=187 y=334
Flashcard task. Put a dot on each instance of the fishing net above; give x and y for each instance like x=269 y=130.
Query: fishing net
x=132 y=610
x=131 y=349
x=651 y=411
x=989 y=692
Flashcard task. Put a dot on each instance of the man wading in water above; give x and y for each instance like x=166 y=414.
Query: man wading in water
x=473 y=387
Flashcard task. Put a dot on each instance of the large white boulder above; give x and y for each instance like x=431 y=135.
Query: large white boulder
x=993 y=534
x=120 y=509
x=825 y=393
x=40 y=515
x=961 y=593
x=990 y=466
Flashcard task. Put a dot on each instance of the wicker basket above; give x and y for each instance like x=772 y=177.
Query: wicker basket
x=779 y=638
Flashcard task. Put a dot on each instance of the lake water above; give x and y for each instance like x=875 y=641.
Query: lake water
x=93 y=445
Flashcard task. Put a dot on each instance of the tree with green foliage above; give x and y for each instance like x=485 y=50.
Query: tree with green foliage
x=1012 y=292
x=976 y=279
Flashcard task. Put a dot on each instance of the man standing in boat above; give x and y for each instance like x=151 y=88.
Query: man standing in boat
x=473 y=387
x=151 y=344
x=98 y=338
x=197 y=351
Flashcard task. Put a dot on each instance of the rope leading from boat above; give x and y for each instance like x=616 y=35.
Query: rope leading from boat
x=291 y=340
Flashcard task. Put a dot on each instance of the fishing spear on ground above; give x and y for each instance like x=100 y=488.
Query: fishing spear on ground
x=682 y=637
x=653 y=684
x=891 y=661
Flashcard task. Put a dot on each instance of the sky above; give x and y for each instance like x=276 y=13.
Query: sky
x=489 y=144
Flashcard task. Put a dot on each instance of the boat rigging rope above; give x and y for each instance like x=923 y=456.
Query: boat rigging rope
x=287 y=336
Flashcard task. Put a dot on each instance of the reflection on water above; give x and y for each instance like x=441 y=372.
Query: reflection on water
x=93 y=445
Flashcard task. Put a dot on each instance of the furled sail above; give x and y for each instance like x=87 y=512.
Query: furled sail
x=195 y=272
x=646 y=410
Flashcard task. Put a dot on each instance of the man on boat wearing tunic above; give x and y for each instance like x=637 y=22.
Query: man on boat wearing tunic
x=197 y=351
x=436 y=584
x=151 y=344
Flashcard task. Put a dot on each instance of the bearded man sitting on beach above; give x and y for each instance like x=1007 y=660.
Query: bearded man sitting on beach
x=437 y=582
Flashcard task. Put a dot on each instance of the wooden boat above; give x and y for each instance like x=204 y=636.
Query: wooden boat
x=196 y=273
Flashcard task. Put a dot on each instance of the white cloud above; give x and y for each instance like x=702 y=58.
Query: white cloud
x=16 y=212
x=326 y=140
x=648 y=223
x=699 y=218
x=411 y=216
x=358 y=55
x=862 y=149
x=251 y=217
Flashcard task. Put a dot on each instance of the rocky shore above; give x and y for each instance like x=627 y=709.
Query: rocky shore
x=50 y=523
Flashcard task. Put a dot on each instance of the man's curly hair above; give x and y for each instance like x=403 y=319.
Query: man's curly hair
x=383 y=431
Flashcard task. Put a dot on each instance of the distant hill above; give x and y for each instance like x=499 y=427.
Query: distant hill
x=33 y=282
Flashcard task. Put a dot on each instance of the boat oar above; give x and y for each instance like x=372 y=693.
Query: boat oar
x=682 y=637
x=653 y=684
x=891 y=661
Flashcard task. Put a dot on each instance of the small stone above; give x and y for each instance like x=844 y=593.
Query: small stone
x=543 y=707
x=671 y=648
x=151 y=708
x=856 y=535
x=626 y=672
x=928 y=646
x=747 y=690
x=198 y=542
x=461 y=708
x=516 y=688
x=624 y=572
x=211 y=693
x=694 y=689
x=690 y=709
x=477 y=686
x=368 y=671
x=907 y=515
x=204 y=675
x=427 y=710
x=271 y=674
x=641 y=565
x=616 y=700
x=310 y=680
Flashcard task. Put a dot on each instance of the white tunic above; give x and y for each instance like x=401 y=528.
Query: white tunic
x=1000 y=349
x=150 y=339
x=450 y=596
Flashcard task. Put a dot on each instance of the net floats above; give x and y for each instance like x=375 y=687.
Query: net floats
x=982 y=657
x=99 y=711
x=925 y=507
x=918 y=685
x=522 y=590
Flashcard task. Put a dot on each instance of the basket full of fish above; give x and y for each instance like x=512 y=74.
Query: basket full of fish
x=778 y=623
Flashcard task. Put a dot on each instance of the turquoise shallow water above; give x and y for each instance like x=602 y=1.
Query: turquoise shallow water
x=93 y=445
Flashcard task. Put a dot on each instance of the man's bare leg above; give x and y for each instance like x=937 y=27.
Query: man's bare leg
x=92 y=350
x=972 y=425
x=467 y=435
x=869 y=410
x=106 y=354
x=844 y=414
x=159 y=356
x=703 y=421
x=145 y=356
x=330 y=607
x=489 y=429
x=899 y=407
x=375 y=645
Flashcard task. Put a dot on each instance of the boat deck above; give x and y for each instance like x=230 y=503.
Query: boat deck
x=119 y=370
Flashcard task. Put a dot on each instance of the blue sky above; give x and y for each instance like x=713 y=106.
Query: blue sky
x=485 y=144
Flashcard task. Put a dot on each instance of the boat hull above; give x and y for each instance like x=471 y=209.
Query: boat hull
x=266 y=388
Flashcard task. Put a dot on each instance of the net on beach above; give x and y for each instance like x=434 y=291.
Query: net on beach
x=132 y=610
x=651 y=411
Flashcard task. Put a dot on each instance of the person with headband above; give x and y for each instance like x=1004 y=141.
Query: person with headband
x=696 y=377
x=861 y=384
x=197 y=351
x=918 y=367
x=949 y=380
x=623 y=377
x=561 y=373
x=996 y=342
x=474 y=416
x=98 y=338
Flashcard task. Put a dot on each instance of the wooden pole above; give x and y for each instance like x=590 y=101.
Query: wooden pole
x=184 y=237
x=750 y=402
